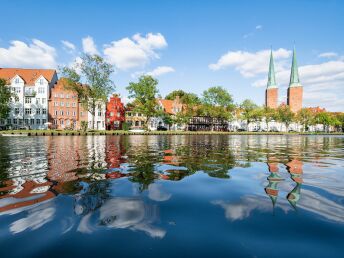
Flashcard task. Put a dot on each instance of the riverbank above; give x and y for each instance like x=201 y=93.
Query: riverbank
x=120 y=132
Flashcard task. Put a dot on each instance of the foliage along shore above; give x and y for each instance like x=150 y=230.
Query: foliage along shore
x=121 y=132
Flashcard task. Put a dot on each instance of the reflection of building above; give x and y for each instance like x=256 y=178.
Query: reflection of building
x=295 y=168
x=32 y=87
x=274 y=179
x=65 y=109
x=115 y=113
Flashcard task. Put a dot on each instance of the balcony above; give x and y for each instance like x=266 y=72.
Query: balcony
x=30 y=93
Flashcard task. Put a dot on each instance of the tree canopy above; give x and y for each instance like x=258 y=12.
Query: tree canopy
x=5 y=99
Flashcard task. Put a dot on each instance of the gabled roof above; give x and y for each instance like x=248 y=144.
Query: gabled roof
x=28 y=75
x=167 y=105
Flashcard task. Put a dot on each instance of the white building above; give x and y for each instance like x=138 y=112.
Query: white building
x=32 y=86
x=99 y=117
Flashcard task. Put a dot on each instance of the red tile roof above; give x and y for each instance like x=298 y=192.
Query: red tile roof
x=28 y=75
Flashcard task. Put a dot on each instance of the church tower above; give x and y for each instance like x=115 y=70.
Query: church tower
x=271 y=93
x=295 y=90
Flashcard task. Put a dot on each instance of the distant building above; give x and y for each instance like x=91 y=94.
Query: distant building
x=99 y=117
x=115 y=113
x=32 y=87
x=134 y=119
x=65 y=109
x=271 y=92
x=295 y=89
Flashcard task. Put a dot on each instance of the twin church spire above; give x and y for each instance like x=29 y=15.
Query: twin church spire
x=294 y=95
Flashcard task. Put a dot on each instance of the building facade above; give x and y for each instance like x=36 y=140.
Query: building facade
x=271 y=92
x=295 y=90
x=65 y=109
x=32 y=87
x=115 y=113
x=99 y=117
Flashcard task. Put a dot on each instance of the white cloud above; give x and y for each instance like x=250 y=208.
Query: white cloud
x=160 y=70
x=19 y=54
x=89 y=46
x=250 y=64
x=328 y=54
x=70 y=47
x=133 y=52
x=259 y=27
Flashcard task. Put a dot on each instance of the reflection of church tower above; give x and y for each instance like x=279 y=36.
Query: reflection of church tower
x=274 y=179
x=295 y=168
x=295 y=90
x=271 y=93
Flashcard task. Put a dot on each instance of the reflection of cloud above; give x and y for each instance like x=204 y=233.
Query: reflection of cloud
x=124 y=213
x=156 y=193
x=242 y=210
x=36 y=219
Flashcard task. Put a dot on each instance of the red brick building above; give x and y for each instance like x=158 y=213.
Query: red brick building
x=295 y=90
x=65 y=110
x=271 y=93
x=115 y=113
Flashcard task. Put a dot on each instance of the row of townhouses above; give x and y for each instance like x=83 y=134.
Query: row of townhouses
x=44 y=102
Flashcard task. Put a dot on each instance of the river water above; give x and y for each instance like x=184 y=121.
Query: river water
x=172 y=196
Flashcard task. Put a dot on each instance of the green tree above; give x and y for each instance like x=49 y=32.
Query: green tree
x=269 y=114
x=285 y=115
x=325 y=119
x=6 y=96
x=95 y=73
x=144 y=93
x=248 y=108
x=304 y=117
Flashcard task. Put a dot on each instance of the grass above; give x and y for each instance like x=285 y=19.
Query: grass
x=121 y=132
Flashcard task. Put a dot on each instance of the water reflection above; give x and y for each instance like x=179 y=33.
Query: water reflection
x=92 y=170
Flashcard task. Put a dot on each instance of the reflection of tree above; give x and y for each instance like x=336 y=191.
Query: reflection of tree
x=91 y=197
x=4 y=161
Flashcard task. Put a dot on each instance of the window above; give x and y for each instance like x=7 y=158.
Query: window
x=28 y=111
x=44 y=101
x=38 y=121
x=99 y=106
x=27 y=100
x=67 y=113
x=139 y=114
x=38 y=111
x=118 y=114
x=26 y=121
x=99 y=113
x=137 y=123
x=68 y=122
x=16 y=111
x=56 y=104
x=67 y=104
x=16 y=81
x=9 y=121
x=111 y=113
x=61 y=112
x=61 y=122
x=55 y=112
x=61 y=96
x=41 y=83
x=41 y=90
x=67 y=96
x=56 y=95
x=37 y=100
x=15 y=121
x=74 y=113
x=44 y=111
x=81 y=113
x=73 y=104
x=2 y=121
x=44 y=121
x=62 y=104
x=32 y=121
x=20 y=121
x=55 y=122
x=17 y=89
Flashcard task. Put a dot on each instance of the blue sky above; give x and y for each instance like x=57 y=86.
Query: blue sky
x=189 y=45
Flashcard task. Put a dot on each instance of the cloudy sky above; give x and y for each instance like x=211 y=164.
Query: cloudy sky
x=189 y=45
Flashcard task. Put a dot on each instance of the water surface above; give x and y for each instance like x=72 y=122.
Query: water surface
x=172 y=196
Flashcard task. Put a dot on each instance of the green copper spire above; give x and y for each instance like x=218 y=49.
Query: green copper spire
x=271 y=76
x=294 y=75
